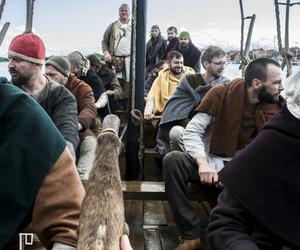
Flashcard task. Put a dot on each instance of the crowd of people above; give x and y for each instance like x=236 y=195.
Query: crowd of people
x=236 y=138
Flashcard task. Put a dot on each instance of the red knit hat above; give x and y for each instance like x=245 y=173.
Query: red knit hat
x=28 y=47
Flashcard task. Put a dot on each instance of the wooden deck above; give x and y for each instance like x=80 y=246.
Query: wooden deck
x=151 y=223
x=152 y=226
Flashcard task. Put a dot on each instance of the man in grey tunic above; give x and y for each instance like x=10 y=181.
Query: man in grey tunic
x=190 y=91
x=27 y=55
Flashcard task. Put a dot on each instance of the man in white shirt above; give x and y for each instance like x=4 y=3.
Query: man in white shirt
x=228 y=117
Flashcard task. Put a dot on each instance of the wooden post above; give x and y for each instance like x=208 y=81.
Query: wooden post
x=249 y=36
x=3 y=32
x=137 y=82
x=29 y=16
x=286 y=39
x=2 y=8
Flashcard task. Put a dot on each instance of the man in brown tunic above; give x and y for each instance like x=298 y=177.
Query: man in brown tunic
x=228 y=117
x=58 y=69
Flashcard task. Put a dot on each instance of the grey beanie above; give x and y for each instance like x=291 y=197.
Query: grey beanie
x=61 y=64
x=80 y=61
x=155 y=27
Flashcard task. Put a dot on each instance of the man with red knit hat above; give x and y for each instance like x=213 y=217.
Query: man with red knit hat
x=26 y=56
x=40 y=184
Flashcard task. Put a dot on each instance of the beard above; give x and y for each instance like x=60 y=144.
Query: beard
x=175 y=72
x=265 y=97
x=18 y=79
x=217 y=74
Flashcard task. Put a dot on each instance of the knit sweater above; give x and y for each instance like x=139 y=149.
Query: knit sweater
x=61 y=106
x=85 y=101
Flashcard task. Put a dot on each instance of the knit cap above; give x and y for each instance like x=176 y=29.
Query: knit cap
x=28 y=47
x=185 y=34
x=60 y=63
x=292 y=93
x=155 y=27
x=80 y=61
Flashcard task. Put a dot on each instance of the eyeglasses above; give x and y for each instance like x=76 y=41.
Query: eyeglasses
x=219 y=63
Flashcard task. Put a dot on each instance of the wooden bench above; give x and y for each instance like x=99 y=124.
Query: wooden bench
x=150 y=152
x=150 y=190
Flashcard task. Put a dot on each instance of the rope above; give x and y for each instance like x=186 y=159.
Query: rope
x=139 y=118
x=245 y=61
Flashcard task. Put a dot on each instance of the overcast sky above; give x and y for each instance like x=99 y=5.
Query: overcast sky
x=67 y=25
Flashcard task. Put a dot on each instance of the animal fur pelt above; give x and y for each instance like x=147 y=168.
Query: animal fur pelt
x=102 y=214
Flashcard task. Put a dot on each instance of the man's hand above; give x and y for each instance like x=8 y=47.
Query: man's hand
x=109 y=92
x=149 y=116
x=107 y=57
x=80 y=127
x=207 y=174
x=125 y=243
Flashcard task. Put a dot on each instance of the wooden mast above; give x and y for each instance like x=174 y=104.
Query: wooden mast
x=244 y=53
x=5 y=26
x=137 y=78
x=29 y=16
x=286 y=55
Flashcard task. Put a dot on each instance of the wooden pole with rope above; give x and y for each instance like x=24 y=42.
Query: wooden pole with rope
x=286 y=40
x=244 y=53
x=134 y=136
x=242 y=34
x=285 y=53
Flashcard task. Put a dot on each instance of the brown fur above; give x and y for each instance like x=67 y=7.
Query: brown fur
x=102 y=213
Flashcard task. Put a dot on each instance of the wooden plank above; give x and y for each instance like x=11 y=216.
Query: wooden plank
x=149 y=190
x=134 y=219
x=151 y=152
x=152 y=239
x=146 y=190
x=154 y=213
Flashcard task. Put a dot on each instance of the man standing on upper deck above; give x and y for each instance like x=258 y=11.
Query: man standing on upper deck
x=172 y=36
x=155 y=48
x=116 y=45
x=190 y=52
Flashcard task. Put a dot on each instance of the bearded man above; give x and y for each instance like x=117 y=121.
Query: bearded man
x=259 y=205
x=164 y=85
x=155 y=48
x=190 y=52
x=26 y=57
x=190 y=91
x=228 y=117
